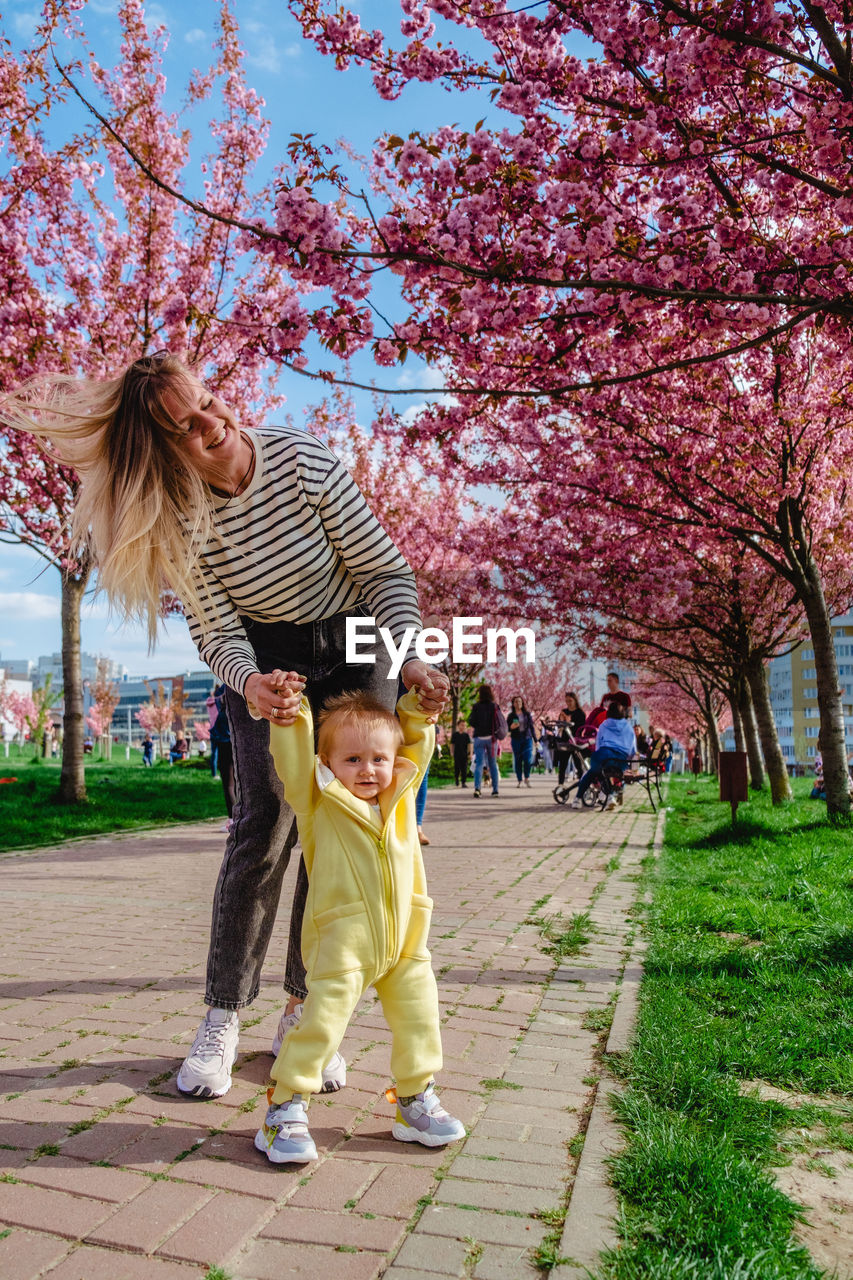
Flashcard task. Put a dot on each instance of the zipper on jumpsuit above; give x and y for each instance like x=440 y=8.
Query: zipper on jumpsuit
x=387 y=876
x=387 y=881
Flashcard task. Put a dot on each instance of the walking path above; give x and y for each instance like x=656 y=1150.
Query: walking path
x=106 y=1173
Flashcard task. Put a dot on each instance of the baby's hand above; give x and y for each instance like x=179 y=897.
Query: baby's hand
x=288 y=685
x=276 y=696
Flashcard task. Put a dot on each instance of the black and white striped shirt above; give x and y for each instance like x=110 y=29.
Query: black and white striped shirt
x=298 y=545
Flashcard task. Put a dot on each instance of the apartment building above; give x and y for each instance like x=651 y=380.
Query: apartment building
x=793 y=694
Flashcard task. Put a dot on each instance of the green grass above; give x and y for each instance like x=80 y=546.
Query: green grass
x=121 y=795
x=748 y=976
x=564 y=937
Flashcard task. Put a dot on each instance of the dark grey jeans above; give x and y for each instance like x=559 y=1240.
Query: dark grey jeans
x=263 y=831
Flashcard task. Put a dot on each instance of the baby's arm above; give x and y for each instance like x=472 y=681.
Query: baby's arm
x=418 y=731
x=292 y=750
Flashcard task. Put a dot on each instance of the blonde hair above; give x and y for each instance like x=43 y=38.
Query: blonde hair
x=357 y=710
x=142 y=507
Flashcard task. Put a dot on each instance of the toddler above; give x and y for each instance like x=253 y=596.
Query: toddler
x=367 y=915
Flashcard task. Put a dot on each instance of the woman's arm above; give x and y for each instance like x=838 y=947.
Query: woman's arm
x=371 y=558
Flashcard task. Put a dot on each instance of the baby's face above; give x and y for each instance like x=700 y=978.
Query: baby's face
x=363 y=760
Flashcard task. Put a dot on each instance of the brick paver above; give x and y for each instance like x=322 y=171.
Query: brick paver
x=105 y=1171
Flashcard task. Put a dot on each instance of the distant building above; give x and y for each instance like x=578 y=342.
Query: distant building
x=51 y=664
x=134 y=694
x=18 y=668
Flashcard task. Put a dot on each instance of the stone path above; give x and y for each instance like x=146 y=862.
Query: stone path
x=106 y=1173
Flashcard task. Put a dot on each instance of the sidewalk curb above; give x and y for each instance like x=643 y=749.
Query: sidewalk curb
x=589 y=1227
x=126 y=833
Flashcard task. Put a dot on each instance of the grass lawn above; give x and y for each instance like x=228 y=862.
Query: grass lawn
x=122 y=794
x=748 y=978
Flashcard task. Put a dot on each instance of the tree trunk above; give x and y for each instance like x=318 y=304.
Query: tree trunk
x=750 y=734
x=712 y=736
x=831 y=742
x=777 y=770
x=72 y=781
x=737 y=724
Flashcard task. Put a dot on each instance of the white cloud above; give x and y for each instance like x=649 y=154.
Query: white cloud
x=262 y=50
x=25 y=24
x=156 y=16
x=266 y=59
x=30 y=605
x=423 y=376
x=175 y=651
x=196 y=36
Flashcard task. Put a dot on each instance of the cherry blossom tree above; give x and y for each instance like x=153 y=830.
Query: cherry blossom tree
x=105 y=698
x=100 y=265
x=658 y=233
x=676 y=695
x=542 y=684
x=656 y=596
x=21 y=710
x=158 y=715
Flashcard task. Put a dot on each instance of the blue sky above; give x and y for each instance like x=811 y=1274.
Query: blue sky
x=303 y=93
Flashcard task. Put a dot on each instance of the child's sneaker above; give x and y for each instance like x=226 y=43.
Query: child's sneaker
x=335 y=1070
x=284 y=1134
x=206 y=1070
x=425 y=1120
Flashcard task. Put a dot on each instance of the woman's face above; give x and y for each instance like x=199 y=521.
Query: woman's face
x=517 y=704
x=571 y=702
x=211 y=435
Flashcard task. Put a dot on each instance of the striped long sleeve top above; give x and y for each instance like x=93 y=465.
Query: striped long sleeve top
x=298 y=545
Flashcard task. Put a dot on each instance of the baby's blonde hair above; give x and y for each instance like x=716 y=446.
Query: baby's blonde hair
x=357 y=710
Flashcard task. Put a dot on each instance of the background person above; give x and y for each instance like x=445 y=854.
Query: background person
x=614 y=745
x=461 y=745
x=270 y=546
x=522 y=736
x=487 y=721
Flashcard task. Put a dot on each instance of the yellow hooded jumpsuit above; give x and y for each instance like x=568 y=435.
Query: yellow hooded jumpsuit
x=367 y=915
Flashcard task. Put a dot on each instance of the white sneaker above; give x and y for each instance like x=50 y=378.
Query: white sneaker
x=206 y=1070
x=611 y=802
x=425 y=1120
x=335 y=1070
x=284 y=1135
x=576 y=804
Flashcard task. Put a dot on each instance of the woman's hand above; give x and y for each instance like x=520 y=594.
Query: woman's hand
x=433 y=687
x=276 y=696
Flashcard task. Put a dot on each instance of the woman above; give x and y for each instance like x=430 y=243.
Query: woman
x=270 y=546
x=569 y=721
x=614 y=745
x=522 y=735
x=487 y=721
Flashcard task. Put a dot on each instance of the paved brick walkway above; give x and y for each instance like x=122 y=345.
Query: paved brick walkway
x=106 y=1173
